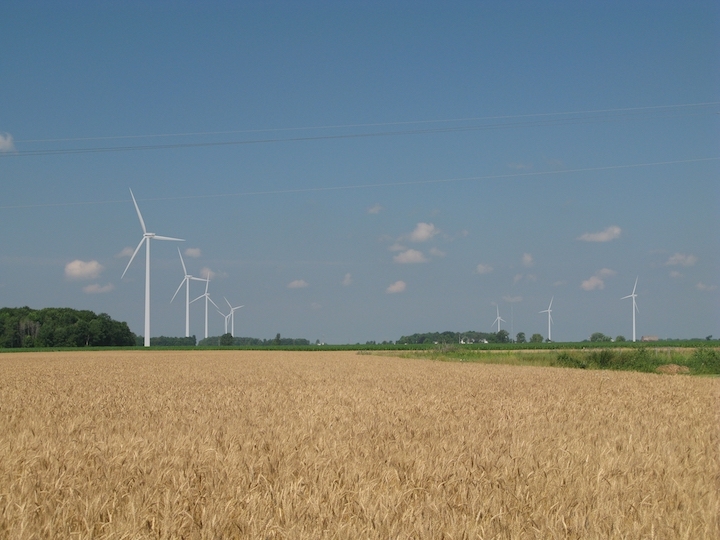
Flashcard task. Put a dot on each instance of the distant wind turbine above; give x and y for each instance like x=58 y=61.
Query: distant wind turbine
x=147 y=236
x=634 y=304
x=226 y=317
x=232 y=317
x=186 y=281
x=498 y=318
x=549 y=311
x=207 y=299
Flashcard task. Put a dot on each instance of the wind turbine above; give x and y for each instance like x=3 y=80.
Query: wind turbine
x=207 y=298
x=186 y=281
x=634 y=304
x=147 y=236
x=226 y=317
x=498 y=318
x=232 y=317
x=549 y=311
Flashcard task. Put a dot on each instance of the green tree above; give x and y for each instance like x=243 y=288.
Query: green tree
x=620 y=338
x=520 y=338
x=226 y=340
x=277 y=339
x=503 y=336
x=599 y=336
x=536 y=338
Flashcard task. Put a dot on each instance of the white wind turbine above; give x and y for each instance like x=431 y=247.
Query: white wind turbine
x=634 y=304
x=147 y=236
x=498 y=318
x=207 y=298
x=549 y=311
x=232 y=317
x=186 y=281
x=226 y=317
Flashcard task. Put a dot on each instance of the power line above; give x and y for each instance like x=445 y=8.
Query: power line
x=377 y=185
x=536 y=123
x=380 y=124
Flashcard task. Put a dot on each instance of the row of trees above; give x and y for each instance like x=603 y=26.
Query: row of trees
x=61 y=327
x=466 y=337
x=227 y=340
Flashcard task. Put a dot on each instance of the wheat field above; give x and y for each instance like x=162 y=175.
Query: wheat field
x=301 y=445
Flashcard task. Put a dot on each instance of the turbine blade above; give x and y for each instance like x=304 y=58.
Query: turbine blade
x=636 y=280
x=198 y=298
x=213 y=303
x=178 y=289
x=196 y=278
x=133 y=256
x=624 y=297
x=142 y=222
x=158 y=237
x=228 y=303
x=551 y=301
x=183 y=262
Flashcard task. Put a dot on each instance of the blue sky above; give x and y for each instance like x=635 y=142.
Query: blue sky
x=354 y=171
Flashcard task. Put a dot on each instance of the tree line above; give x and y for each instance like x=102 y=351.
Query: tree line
x=61 y=327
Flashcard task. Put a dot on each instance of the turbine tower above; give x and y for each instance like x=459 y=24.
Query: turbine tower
x=207 y=298
x=498 y=318
x=634 y=304
x=549 y=311
x=147 y=236
x=232 y=317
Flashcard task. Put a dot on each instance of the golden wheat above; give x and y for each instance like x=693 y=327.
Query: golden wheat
x=308 y=445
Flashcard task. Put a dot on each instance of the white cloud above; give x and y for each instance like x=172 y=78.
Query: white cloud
x=679 y=259
x=703 y=287
x=675 y=274
x=611 y=233
x=527 y=260
x=347 y=280
x=559 y=283
x=598 y=280
x=593 y=283
x=397 y=247
x=78 y=269
x=375 y=209
x=409 y=257
x=512 y=299
x=206 y=273
x=193 y=252
x=518 y=277
x=297 y=284
x=126 y=252
x=605 y=272
x=423 y=232
x=6 y=143
x=96 y=288
x=435 y=252
x=531 y=277
x=397 y=287
x=483 y=269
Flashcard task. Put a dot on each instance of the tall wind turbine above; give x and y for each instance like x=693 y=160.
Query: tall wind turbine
x=186 y=281
x=207 y=298
x=498 y=318
x=232 y=317
x=549 y=311
x=147 y=236
x=634 y=304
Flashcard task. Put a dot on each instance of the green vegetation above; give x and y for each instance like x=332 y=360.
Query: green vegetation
x=61 y=327
x=227 y=340
x=702 y=360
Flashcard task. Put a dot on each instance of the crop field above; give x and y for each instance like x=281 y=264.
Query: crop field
x=308 y=445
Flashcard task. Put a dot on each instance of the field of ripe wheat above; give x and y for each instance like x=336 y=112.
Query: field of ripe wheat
x=310 y=445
